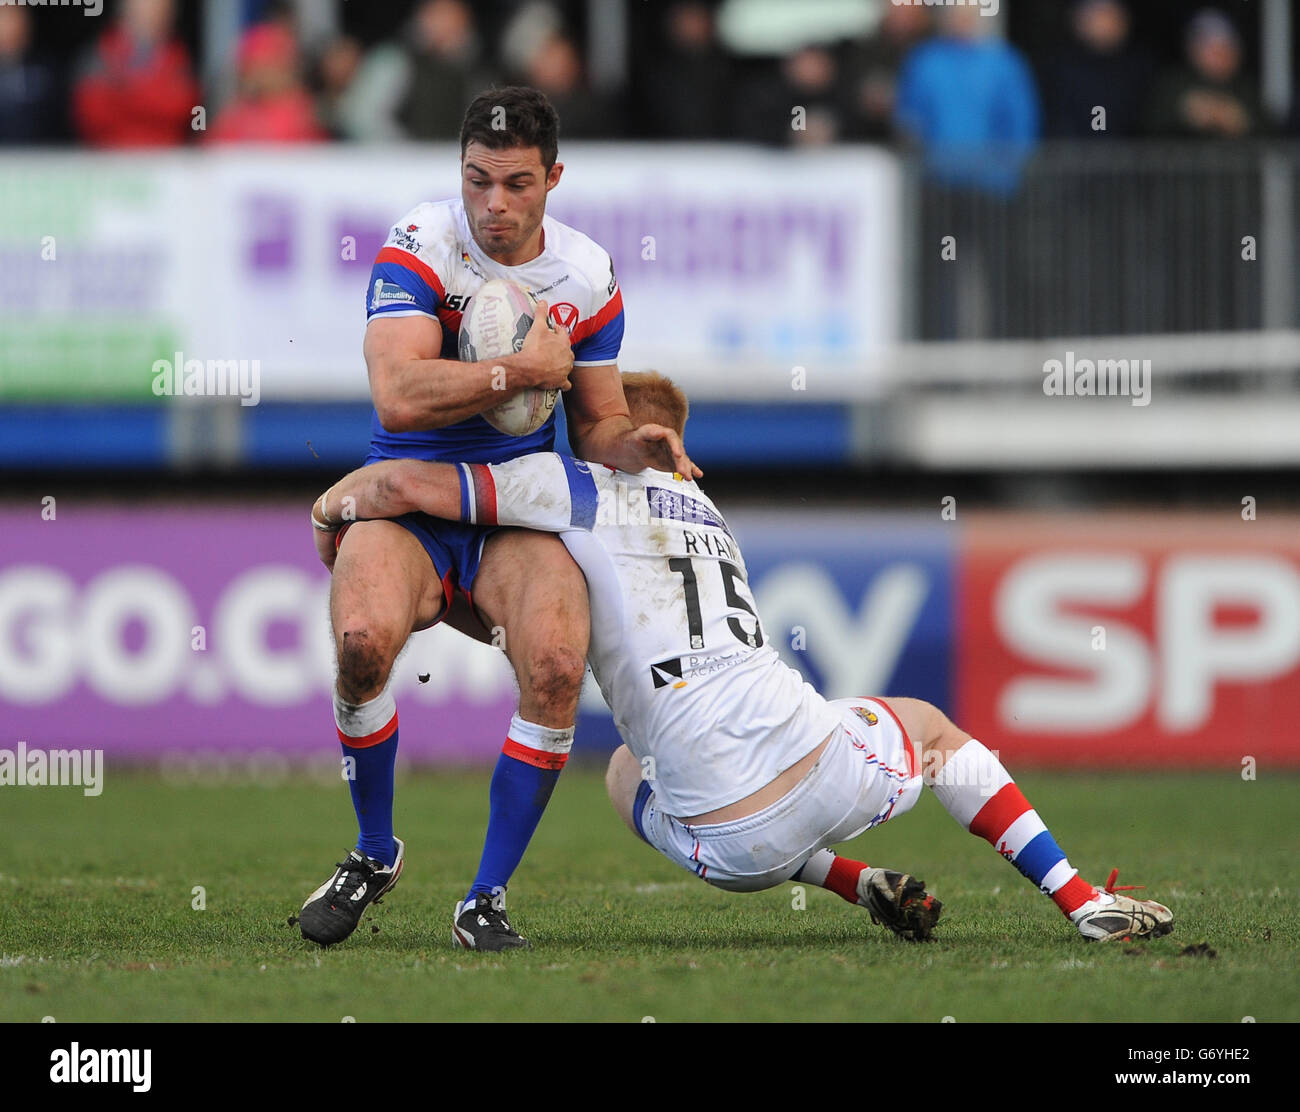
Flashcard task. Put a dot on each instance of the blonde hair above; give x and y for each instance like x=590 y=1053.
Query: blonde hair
x=654 y=399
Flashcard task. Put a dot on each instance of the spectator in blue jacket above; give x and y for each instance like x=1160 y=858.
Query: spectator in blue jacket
x=968 y=97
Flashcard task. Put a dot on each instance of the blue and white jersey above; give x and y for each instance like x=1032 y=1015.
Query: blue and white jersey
x=431 y=266
x=676 y=643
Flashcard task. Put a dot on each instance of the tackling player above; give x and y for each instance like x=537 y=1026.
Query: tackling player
x=397 y=576
x=733 y=766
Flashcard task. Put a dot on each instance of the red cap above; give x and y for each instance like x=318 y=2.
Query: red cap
x=267 y=44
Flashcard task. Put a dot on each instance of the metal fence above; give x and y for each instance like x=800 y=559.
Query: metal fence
x=1110 y=238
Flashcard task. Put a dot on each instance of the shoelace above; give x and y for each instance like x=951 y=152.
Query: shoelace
x=1112 y=887
x=355 y=872
x=495 y=917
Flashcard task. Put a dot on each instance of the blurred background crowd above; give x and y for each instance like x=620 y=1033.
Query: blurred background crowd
x=1069 y=167
x=862 y=70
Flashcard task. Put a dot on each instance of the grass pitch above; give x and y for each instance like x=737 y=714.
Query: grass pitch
x=97 y=921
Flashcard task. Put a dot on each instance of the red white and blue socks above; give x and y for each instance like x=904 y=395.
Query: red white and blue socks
x=526 y=774
x=978 y=792
x=837 y=874
x=368 y=733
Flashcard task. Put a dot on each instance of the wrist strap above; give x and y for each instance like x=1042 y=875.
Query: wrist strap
x=325 y=525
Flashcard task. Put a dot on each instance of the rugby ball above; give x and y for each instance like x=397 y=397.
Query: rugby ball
x=495 y=325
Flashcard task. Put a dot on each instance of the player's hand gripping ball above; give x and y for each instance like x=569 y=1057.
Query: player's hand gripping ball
x=497 y=322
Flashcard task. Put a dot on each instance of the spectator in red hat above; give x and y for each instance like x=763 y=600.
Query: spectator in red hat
x=138 y=89
x=272 y=105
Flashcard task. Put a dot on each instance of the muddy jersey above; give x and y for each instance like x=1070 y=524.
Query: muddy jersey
x=698 y=693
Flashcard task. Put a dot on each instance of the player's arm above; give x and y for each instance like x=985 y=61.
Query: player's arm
x=601 y=430
x=387 y=489
x=413 y=388
x=544 y=491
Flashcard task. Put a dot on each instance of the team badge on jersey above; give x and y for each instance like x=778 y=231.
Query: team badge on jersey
x=565 y=314
x=867 y=716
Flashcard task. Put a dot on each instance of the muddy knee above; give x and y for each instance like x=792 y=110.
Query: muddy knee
x=363 y=666
x=554 y=678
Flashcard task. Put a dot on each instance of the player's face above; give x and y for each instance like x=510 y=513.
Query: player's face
x=505 y=198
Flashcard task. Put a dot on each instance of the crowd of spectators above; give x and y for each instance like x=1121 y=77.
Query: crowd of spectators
x=945 y=77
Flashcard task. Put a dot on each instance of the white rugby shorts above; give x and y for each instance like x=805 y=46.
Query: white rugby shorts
x=867 y=773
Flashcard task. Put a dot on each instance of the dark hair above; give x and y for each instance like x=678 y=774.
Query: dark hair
x=528 y=120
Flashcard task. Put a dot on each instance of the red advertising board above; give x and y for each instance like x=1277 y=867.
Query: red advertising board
x=1131 y=640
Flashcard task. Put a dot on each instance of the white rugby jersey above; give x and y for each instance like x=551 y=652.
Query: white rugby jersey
x=431 y=266
x=676 y=644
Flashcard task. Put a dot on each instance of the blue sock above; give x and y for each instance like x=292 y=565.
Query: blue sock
x=525 y=775
x=371 y=775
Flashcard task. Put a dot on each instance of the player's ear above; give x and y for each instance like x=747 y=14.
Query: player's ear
x=553 y=176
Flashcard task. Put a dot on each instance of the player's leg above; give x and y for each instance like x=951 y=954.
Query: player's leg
x=529 y=587
x=894 y=899
x=879 y=782
x=624 y=779
x=384 y=585
x=974 y=787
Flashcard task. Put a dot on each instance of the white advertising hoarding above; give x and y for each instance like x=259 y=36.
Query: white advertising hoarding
x=744 y=272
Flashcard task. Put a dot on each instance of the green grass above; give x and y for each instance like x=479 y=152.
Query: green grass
x=96 y=920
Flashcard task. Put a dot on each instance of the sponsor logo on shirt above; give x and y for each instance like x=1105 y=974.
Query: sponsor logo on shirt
x=535 y=294
x=678 y=670
x=388 y=293
x=666 y=672
x=675 y=506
